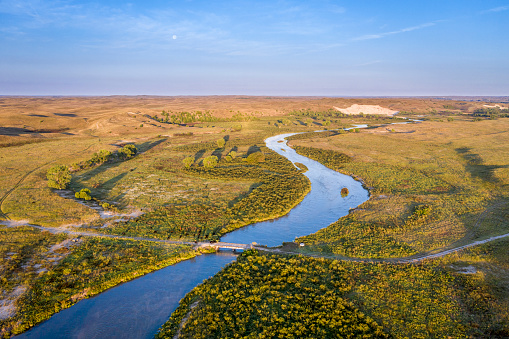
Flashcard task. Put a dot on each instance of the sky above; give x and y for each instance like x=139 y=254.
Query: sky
x=287 y=48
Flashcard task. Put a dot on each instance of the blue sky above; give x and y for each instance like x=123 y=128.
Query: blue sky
x=330 y=48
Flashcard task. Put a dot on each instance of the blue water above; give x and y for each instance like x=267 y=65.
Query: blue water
x=138 y=308
x=321 y=207
x=135 y=309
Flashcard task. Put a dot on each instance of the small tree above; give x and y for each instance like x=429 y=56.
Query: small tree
x=233 y=154
x=102 y=156
x=58 y=177
x=188 y=161
x=83 y=194
x=128 y=151
x=210 y=161
x=220 y=143
x=255 y=157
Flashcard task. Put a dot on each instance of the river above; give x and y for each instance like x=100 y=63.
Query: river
x=137 y=309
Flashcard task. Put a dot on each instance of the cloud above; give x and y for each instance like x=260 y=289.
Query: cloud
x=103 y=27
x=496 y=9
x=369 y=63
x=403 y=30
x=38 y=12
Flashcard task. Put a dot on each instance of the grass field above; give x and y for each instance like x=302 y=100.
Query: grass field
x=456 y=170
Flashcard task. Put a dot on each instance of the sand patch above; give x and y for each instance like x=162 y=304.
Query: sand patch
x=59 y=251
x=466 y=270
x=495 y=106
x=7 y=304
x=366 y=109
x=14 y=223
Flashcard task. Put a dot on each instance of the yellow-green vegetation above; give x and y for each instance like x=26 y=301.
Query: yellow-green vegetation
x=331 y=159
x=351 y=237
x=277 y=187
x=483 y=274
x=428 y=300
x=269 y=296
x=59 y=177
x=433 y=185
x=266 y=295
x=54 y=272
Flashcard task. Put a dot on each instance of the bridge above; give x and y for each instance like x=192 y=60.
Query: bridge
x=228 y=245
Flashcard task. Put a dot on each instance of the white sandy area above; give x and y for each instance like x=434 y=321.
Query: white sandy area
x=14 y=223
x=495 y=106
x=366 y=109
x=7 y=304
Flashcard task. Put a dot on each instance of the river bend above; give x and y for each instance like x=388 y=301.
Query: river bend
x=136 y=309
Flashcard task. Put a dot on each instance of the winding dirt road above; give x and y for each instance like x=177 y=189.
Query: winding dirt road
x=405 y=260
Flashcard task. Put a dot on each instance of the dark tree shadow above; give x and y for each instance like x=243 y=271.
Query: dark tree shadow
x=65 y=114
x=107 y=186
x=107 y=165
x=218 y=152
x=234 y=149
x=253 y=149
x=475 y=165
x=243 y=195
x=38 y=115
x=16 y=131
x=146 y=146
x=199 y=154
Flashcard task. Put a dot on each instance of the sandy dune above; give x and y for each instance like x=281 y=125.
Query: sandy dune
x=366 y=109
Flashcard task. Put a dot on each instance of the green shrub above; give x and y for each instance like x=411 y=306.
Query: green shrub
x=128 y=151
x=220 y=142
x=188 y=161
x=255 y=157
x=58 y=177
x=83 y=194
x=210 y=161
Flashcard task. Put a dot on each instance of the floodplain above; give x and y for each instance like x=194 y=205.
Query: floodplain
x=435 y=185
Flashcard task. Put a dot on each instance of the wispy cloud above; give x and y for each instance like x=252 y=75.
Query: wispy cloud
x=496 y=9
x=385 y=34
x=38 y=12
x=369 y=63
x=121 y=28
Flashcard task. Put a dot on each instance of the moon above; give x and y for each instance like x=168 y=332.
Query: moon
x=174 y=37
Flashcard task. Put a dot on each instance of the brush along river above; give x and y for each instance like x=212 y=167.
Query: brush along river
x=138 y=308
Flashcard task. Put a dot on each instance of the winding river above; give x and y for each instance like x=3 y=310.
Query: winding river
x=138 y=308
